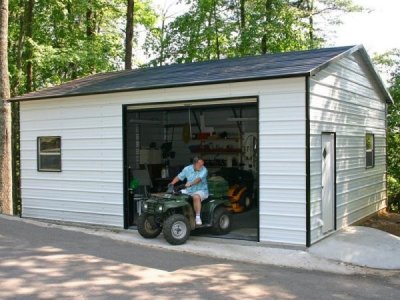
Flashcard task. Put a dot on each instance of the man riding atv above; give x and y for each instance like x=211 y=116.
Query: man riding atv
x=176 y=214
x=196 y=184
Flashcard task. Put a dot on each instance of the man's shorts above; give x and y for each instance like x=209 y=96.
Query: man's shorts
x=203 y=195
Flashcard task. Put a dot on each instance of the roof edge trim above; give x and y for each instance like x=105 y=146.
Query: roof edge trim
x=17 y=99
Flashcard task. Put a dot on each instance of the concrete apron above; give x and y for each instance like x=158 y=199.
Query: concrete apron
x=361 y=246
x=240 y=251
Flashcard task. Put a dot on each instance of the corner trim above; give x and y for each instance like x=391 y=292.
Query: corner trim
x=125 y=169
x=308 y=159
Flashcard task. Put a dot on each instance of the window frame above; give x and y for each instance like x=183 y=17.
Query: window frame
x=372 y=150
x=38 y=154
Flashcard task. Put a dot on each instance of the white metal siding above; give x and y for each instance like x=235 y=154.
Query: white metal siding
x=90 y=187
x=344 y=100
x=282 y=166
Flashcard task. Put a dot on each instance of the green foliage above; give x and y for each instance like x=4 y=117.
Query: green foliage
x=214 y=29
x=393 y=186
x=389 y=63
x=273 y=26
x=323 y=16
x=70 y=39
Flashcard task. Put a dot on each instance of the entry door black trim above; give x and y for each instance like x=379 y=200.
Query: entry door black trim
x=334 y=175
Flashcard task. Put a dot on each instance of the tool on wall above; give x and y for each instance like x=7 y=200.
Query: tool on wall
x=250 y=146
x=166 y=147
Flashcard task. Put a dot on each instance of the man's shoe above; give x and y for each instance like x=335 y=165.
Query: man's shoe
x=198 y=221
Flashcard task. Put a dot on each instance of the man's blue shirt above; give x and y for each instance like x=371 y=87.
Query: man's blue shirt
x=191 y=174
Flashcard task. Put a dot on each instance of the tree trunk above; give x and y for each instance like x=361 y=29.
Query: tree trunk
x=310 y=8
x=162 y=46
x=29 y=50
x=19 y=51
x=242 y=14
x=265 y=37
x=218 y=52
x=209 y=24
x=242 y=25
x=6 y=205
x=90 y=23
x=129 y=34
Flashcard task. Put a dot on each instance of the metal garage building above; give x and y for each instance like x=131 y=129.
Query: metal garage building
x=321 y=126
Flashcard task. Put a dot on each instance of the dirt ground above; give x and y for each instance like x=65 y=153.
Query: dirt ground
x=386 y=221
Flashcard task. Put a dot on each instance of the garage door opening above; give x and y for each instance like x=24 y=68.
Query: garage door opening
x=161 y=139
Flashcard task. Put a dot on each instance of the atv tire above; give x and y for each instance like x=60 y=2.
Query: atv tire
x=176 y=229
x=221 y=221
x=146 y=229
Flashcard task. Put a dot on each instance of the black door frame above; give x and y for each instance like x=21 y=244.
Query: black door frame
x=126 y=196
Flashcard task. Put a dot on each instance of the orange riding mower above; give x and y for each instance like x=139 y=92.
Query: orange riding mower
x=236 y=185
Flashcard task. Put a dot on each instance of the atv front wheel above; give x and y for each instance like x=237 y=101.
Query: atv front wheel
x=146 y=229
x=176 y=229
x=221 y=221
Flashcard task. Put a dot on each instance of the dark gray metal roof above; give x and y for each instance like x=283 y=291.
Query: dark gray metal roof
x=280 y=65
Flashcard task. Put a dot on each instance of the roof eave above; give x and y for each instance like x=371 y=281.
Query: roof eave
x=293 y=75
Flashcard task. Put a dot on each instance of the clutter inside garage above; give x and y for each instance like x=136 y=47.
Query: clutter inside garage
x=161 y=141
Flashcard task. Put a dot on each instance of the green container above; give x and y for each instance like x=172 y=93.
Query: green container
x=217 y=187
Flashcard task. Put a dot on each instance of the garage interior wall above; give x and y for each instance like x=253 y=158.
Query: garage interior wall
x=157 y=133
x=344 y=100
x=90 y=187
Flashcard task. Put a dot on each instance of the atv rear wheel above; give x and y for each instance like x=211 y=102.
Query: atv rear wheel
x=246 y=202
x=146 y=229
x=176 y=229
x=221 y=221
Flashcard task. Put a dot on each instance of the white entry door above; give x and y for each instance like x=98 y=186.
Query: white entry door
x=328 y=181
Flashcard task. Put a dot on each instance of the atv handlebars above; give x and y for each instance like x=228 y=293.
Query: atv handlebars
x=170 y=189
x=176 y=190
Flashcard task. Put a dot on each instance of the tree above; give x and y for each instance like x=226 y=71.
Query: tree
x=5 y=116
x=214 y=29
x=129 y=34
x=273 y=26
x=389 y=64
x=29 y=47
x=54 y=41
x=328 y=13
x=156 y=44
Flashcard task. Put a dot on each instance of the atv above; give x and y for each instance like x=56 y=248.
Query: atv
x=173 y=214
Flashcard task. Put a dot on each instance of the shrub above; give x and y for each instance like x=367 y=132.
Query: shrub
x=393 y=188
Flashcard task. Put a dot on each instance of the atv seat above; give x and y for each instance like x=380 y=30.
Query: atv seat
x=207 y=200
x=202 y=202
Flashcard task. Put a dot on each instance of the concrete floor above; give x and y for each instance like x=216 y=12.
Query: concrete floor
x=244 y=227
x=361 y=246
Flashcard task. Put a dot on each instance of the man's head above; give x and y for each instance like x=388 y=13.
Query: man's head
x=198 y=163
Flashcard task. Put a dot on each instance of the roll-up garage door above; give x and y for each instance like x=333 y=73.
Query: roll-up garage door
x=192 y=103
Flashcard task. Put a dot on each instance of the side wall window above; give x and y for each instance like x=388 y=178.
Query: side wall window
x=369 y=150
x=49 y=153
